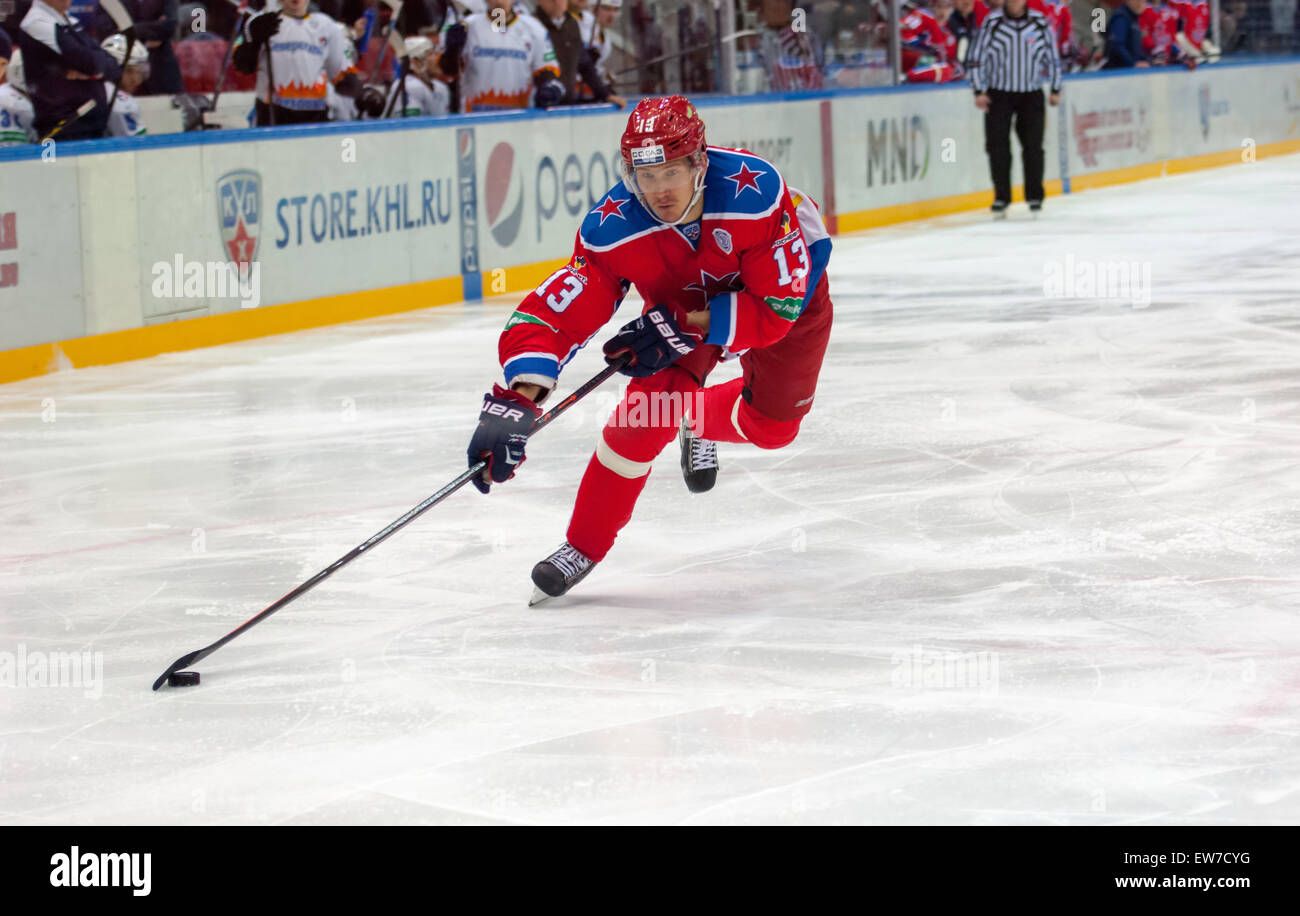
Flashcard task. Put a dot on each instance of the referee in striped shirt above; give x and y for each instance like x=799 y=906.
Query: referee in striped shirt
x=1012 y=52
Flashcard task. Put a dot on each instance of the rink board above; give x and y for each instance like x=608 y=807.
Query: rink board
x=345 y=221
x=897 y=155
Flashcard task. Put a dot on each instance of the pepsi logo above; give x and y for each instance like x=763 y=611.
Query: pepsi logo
x=501 y=184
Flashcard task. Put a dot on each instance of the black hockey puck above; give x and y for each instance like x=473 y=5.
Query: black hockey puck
x=183 y=679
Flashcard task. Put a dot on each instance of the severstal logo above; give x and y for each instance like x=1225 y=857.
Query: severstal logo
x=102 y=869
x=501 y=182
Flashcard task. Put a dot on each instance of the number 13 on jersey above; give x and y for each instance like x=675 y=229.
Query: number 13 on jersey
x=563 y=293
x=797 y=277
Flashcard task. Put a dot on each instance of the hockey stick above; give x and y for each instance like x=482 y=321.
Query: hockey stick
x=465 y=477
x=405 y=63
x=244 y=13
x=122 y=19
x=397 y=41
x=396 y=7
x=270 y=85
x=85 y=107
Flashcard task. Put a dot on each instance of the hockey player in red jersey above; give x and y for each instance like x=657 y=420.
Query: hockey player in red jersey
x=929 y=50
x=928 y=47
x=1193 y=40
x=1159 y=23
x=729 y=261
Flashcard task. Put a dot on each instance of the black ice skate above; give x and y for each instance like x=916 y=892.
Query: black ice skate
x=699 y=460
x=999 y=209
x=1035 y=208
x=559 y=572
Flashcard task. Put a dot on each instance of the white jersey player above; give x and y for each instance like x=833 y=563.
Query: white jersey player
x=16 y=112
x=424 y=95
x=308 y=51
x=511 y=65
x=124 y=119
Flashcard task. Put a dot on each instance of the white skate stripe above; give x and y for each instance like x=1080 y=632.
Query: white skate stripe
x=735 y=419
x=623 y=467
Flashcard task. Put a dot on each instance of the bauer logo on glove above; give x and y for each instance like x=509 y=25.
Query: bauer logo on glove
x=504 y=423
x=496 y=408
x=654 y=341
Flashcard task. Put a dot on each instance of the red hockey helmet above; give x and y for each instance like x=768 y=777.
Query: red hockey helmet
x=660 y=130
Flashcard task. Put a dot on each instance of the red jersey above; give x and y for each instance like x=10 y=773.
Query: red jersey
x=920 y=28
x=1159 y=26
x=747 y=263
x=1196 y=18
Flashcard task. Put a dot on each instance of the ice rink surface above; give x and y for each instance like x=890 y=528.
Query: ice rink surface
x=1033 y=559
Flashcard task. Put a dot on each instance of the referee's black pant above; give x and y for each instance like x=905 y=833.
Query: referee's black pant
x=1030 y=112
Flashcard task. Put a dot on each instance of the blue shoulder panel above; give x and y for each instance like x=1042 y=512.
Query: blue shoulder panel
x=740 y=183
x=617 y=217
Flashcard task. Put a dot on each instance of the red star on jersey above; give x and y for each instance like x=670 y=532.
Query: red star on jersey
x=712 y=286
x=241 y=245
x=611 y=207
x=745 y=178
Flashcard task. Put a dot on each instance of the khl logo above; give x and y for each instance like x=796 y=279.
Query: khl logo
x=239 y=213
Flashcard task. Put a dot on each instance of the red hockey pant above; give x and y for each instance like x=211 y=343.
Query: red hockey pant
x=764 y=408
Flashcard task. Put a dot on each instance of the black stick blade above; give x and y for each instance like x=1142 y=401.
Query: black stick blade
x=183 y=662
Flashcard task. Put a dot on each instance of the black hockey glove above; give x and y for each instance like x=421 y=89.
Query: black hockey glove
x=371 y=102
x=349 y=86
x=655 y=341
x=550 y=91
x=503 y=426
x=262 y=26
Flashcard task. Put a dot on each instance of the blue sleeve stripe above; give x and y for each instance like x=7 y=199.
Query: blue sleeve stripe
x=722 y=320
x=532 y=364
